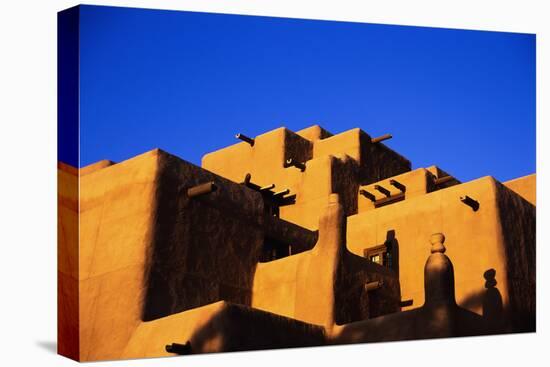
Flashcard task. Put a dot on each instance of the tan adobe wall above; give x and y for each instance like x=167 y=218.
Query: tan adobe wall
x=67 y=261
x=142 y=263
x=477 y=241
x=525 y=186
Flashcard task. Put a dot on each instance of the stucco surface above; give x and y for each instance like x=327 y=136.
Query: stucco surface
x=525 y=186
x=146 y=259
x=477 y=241
x=67 y=261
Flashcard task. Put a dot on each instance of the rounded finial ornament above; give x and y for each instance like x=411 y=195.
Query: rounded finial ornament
x=437 y=240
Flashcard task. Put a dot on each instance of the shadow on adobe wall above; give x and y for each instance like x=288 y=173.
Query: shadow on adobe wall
x=240 y=328
x=188 y=267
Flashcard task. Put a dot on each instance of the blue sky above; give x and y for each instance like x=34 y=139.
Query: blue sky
x=187 y=82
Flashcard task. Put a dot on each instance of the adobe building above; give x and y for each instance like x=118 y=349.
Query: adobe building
x=288 y=239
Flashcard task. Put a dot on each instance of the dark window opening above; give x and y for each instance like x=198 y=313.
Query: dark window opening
x=386 y=254
x=381 y=255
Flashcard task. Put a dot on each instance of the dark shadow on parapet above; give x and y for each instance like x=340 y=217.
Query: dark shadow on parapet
x=241 y=328
x=493 y=311
x=490 y=302
x=354 y=300
x=474 y=301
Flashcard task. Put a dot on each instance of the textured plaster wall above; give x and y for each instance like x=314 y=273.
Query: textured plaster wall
x=148 y=265
x=205 y=248
x=525 y=186
x=67 y=261
x=477 y=241
x=117 y=209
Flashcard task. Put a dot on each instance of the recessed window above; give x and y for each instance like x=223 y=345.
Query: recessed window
x=376 y=259
x=380 y=255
